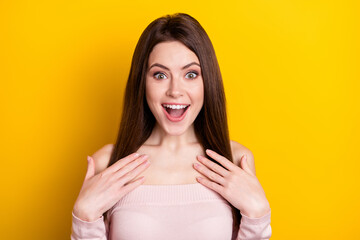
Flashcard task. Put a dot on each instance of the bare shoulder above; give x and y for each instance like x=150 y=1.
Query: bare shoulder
x=238 y=150
x=102 y=157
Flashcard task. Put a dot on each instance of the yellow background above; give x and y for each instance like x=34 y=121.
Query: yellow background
x=291 y=73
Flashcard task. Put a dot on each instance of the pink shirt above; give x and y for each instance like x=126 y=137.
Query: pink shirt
x=185 y=211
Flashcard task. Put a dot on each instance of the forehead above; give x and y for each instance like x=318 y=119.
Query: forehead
x=173 y=54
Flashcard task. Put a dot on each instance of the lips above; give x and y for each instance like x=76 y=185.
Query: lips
x=175 y=112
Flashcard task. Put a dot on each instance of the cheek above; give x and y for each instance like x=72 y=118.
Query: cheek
x=152 y=95
x=148 y=96
x=198 y=93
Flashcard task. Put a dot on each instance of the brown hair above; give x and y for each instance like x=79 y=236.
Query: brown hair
x=137 y=121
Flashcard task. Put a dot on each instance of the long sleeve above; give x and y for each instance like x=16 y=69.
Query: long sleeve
x=255 y=228
x=83 y=230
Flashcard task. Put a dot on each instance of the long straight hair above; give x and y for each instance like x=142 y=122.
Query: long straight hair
x=137 y=121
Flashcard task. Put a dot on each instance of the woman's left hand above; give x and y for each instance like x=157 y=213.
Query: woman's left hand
x=238 y=185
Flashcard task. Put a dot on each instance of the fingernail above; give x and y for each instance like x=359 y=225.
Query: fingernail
x=88 y=158
x=144 y=156
x=137 y=155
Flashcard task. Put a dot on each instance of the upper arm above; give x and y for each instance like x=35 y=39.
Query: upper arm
x=102 y=157
x=238 y=151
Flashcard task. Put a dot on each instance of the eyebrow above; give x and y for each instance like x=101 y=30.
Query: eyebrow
x=162 y=66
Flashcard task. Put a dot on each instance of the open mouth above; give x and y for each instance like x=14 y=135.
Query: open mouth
x=175 y=112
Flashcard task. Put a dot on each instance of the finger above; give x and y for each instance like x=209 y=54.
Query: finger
x=134 y=173
x=213 y=166
x=209 y=174
x=122 y=162
x=212 y=185
x=132 y=185
x=244 y=165
x=130 y=166
x=222 y=160
x=135 y=179
x=90 y=168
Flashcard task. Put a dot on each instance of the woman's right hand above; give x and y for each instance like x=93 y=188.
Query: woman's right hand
x=101 y=191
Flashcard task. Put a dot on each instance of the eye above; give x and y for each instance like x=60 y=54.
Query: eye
x=192 y=74
x=159 y=75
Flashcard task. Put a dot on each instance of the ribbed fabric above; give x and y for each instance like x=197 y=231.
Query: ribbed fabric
x=162 y=212
x=169 y=195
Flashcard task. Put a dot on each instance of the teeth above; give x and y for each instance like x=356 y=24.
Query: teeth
x=175 y=106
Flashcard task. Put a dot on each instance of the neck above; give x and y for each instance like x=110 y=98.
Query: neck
x=160 y=138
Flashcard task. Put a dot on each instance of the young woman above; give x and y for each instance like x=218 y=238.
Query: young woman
x=199 y=184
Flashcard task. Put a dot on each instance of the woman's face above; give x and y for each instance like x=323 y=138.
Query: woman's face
x=174 y=86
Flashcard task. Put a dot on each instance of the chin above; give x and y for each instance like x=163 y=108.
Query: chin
x=175 y=131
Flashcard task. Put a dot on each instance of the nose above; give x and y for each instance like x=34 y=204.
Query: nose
x=174 y=89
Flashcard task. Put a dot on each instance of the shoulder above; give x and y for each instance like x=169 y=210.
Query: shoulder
x=238 y=150
x=102 y=157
